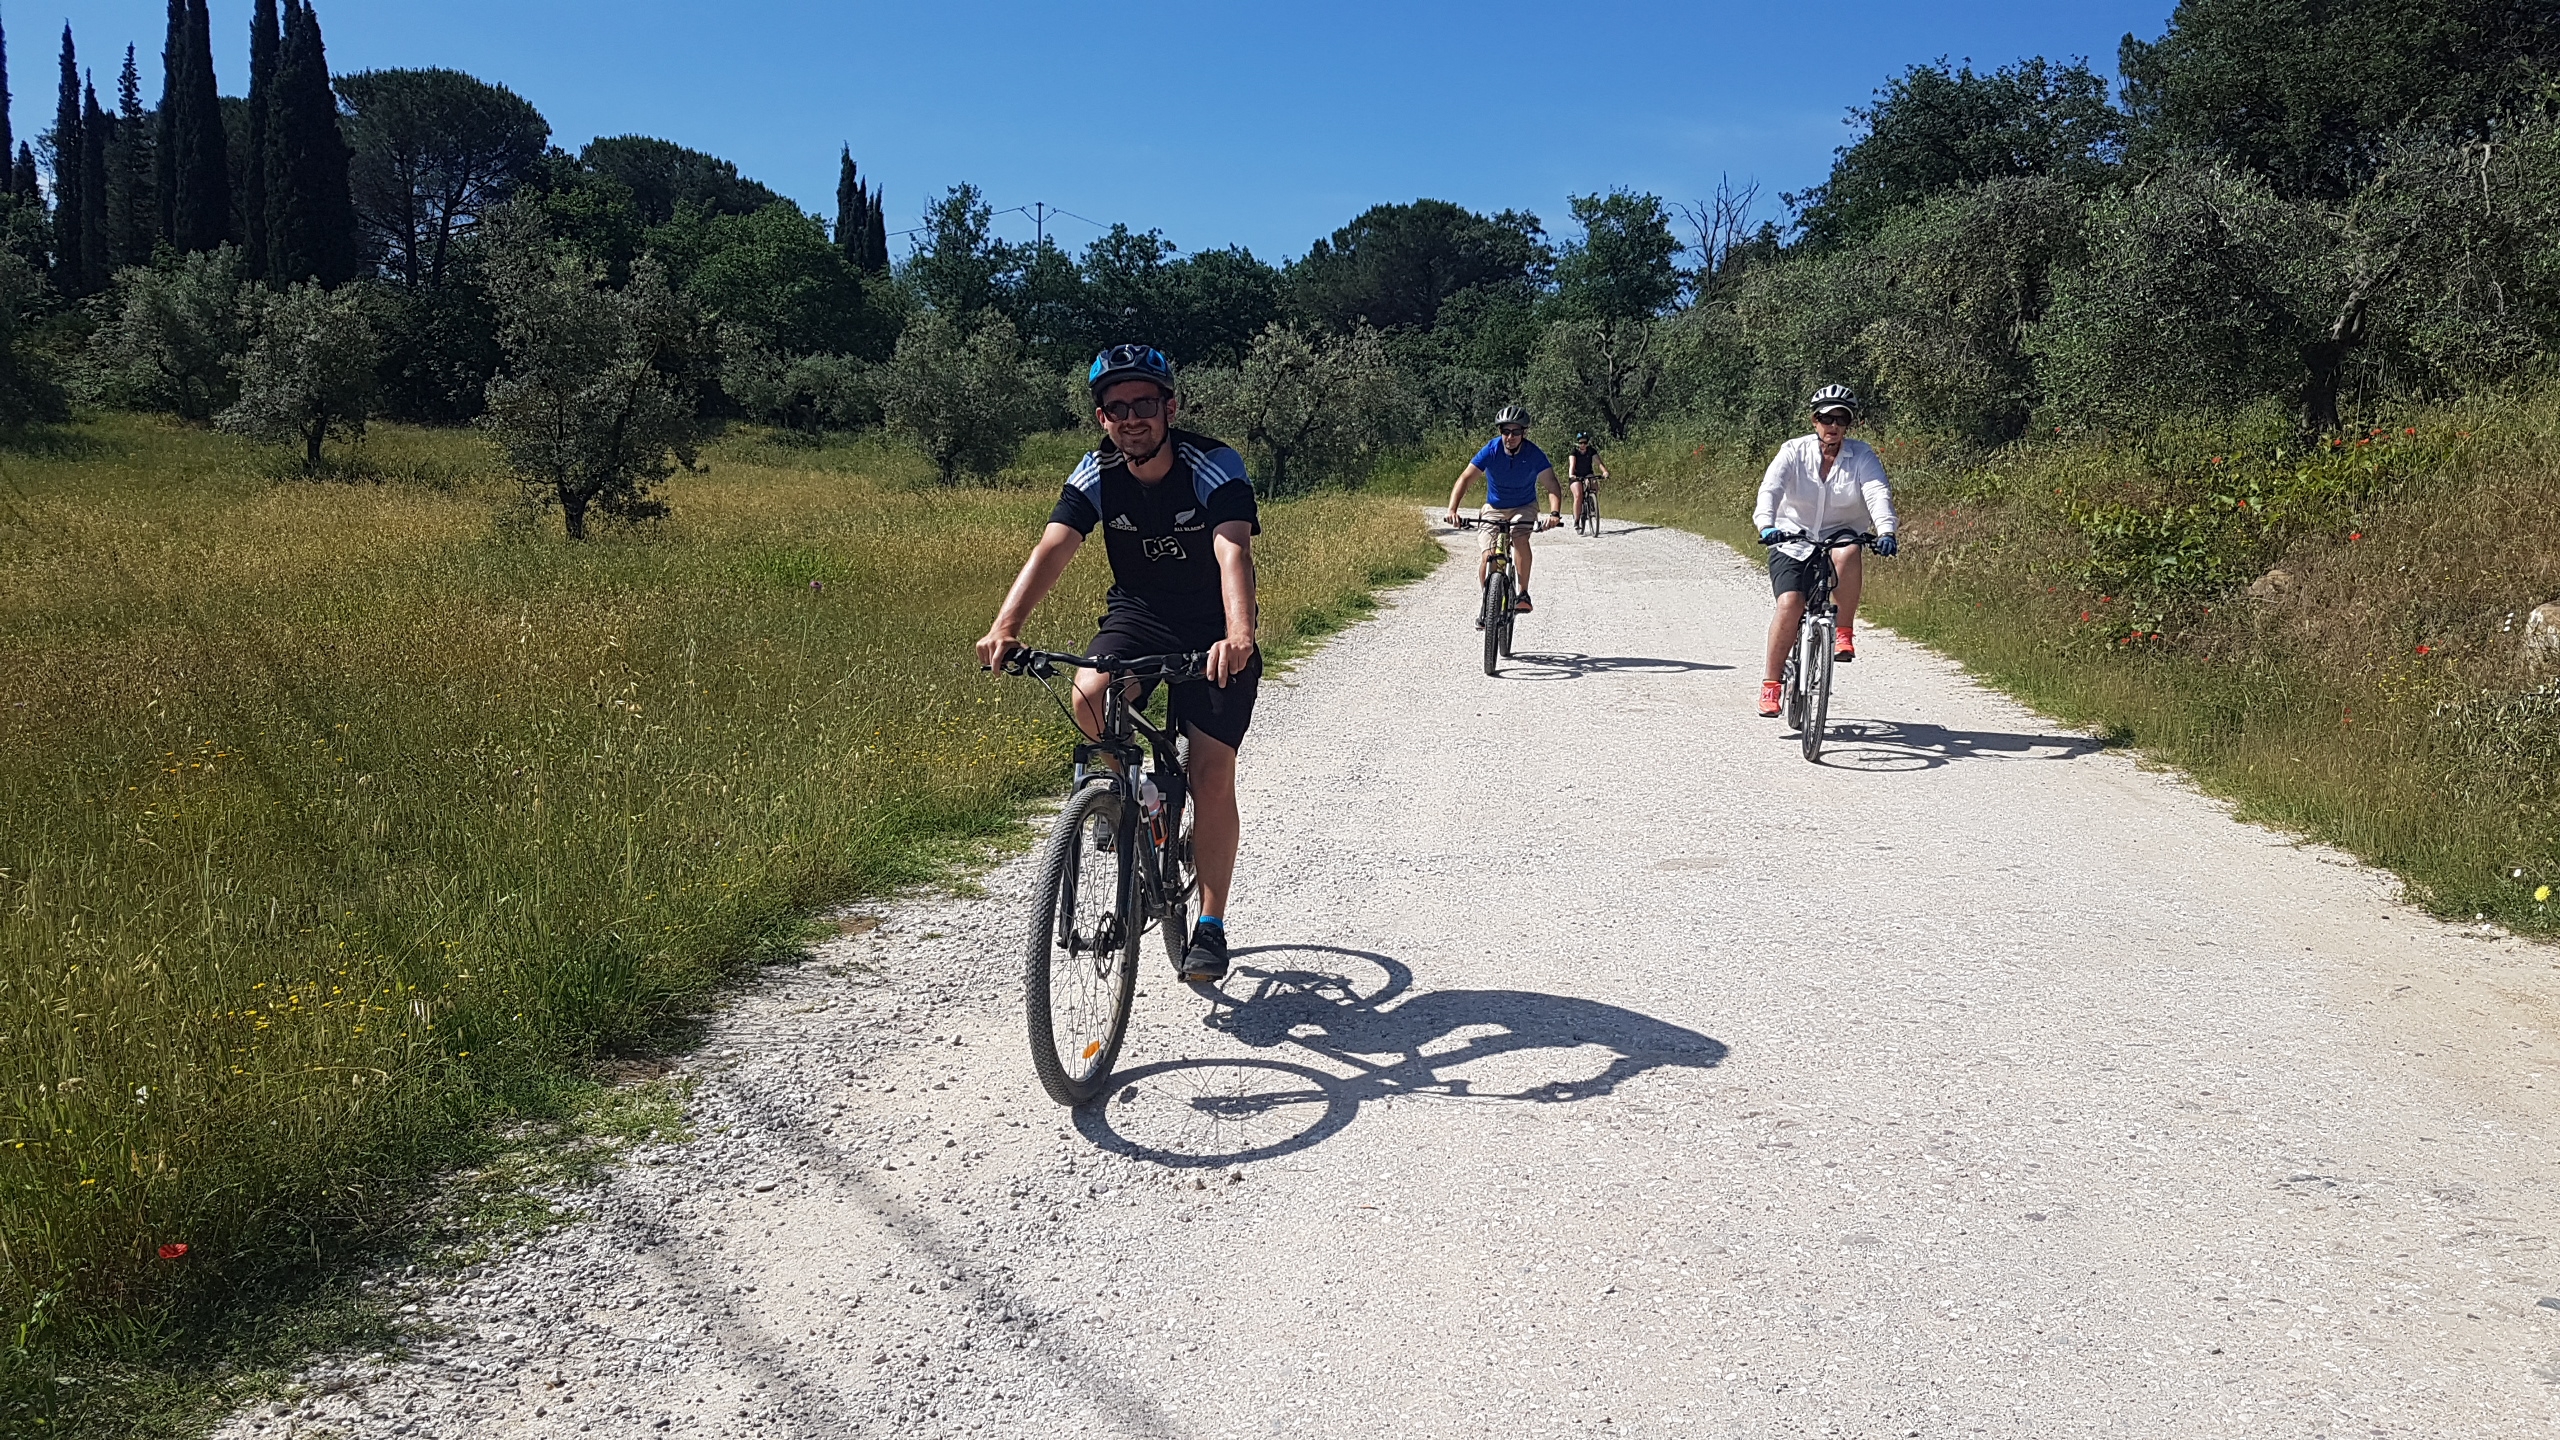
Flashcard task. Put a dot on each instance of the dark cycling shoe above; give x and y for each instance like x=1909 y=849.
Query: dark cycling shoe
x=1206 y=960
x=1521 y=606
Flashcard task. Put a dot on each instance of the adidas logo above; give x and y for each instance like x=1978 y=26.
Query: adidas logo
x=1123 y=522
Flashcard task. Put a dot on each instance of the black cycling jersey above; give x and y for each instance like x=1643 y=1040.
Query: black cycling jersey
x=1578 y=462
x=1157 y=535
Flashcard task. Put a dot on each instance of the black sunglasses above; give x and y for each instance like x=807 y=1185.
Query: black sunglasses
x=1834 y=417
x=1513 y=430
x=1141 y=409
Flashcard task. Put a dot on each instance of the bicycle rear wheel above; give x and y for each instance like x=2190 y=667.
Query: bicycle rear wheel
x=1817 y=692
x=1497 y=619
x=1081 y=971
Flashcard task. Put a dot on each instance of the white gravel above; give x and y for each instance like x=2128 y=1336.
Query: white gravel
x=1597 y=1066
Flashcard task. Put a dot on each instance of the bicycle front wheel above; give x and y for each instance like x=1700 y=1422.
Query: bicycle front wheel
x=1081 y=970
x=1791 y=688
x=1497 y=620
x=1586 y=516
x=1817 y=691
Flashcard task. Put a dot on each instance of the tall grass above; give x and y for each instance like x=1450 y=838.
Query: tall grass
x=335 y=817
x=2333 y=640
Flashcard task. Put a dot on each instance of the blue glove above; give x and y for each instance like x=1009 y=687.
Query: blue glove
x=1769 y=536
x=1886 y=545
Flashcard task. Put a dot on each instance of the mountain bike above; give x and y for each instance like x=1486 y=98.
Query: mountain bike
x=1586 y=511
x=1495 y=611
x=1118 y=861
x=1805 y=685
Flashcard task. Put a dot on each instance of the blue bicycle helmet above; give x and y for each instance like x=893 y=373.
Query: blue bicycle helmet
x=1129 y=362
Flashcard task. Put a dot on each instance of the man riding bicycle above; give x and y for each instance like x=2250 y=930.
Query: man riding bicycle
x=1178 y=519
x=1582 y=465
x=1819 y=485
x=1514 y=471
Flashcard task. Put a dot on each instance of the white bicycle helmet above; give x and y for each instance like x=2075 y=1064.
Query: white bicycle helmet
x=1836 y=397
x=1512 y=415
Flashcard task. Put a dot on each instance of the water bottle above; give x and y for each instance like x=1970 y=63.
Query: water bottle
x=1150 y=799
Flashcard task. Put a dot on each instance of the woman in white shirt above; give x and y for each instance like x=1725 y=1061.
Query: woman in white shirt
x=1819 y=485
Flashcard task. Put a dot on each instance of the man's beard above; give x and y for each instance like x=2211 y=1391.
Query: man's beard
x=1141 y=457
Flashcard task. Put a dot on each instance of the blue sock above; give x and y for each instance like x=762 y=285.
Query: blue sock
x=1213 y=921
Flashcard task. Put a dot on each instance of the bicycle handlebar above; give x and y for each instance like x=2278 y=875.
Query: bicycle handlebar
x=1022 y=660
x=1865 y=540
x=1517 y=522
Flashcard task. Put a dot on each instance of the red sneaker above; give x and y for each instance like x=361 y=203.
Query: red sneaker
x=1844 y=648
x=1769 y=697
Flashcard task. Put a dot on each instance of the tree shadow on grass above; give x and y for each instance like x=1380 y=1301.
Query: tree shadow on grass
x=1342 y=1028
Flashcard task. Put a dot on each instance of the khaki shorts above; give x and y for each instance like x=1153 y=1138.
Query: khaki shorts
x=1494 y=538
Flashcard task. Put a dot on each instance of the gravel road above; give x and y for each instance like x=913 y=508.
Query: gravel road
x=1596 y=1066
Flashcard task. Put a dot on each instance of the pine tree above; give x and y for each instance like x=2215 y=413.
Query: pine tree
x=311 y=211
x=266 y=44
x=133 y=219
x=96 y=260
x=68 y=251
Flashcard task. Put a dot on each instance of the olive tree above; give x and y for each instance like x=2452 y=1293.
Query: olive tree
x=1303 y=404
x=966 y=399
x=310 y=371
x=593 y=408
x=170 y=336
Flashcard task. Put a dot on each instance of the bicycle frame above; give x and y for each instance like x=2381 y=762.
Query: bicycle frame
x=1124 y=727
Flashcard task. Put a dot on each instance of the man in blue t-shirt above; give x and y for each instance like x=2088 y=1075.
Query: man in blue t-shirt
x=1513 y=471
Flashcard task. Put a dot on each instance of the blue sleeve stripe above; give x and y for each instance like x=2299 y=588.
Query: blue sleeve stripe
x=1211 y=470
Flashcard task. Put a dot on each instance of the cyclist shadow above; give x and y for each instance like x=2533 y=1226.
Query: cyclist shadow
x=1892 y=745
x=1484 y=1045
x=1556 y=665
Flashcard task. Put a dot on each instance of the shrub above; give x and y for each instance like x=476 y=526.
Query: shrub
x=170 y=336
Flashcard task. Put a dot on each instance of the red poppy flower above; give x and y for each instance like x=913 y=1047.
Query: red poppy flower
x=2354 y=535
x=173 y=1251
x=2412 y=430
x=2423 y=649
x=2084 y=615
x=2244 y=503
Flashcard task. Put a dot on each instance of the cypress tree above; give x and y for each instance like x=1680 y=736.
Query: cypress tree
x=97 y=261
x=311 y=211
x=862 y=229
x=133 y=219
x=68 y=251
x=266 y=43
x=22 y=177
x=6 y=141
x=202 y=208
x=164 y=166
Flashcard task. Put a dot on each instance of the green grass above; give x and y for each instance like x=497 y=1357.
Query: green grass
x=2379 y=701
x=344 y=825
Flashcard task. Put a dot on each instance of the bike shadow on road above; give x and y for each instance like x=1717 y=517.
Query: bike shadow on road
x=1892 y=745
x=1564 y=665
x=1312 y=1003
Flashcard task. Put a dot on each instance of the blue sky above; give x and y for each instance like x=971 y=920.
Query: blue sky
x=1264 y=125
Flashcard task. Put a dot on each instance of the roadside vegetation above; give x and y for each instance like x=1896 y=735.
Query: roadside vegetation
x=340 y=822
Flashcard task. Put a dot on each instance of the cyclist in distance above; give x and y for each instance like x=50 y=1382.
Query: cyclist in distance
x=1819 y=484
x=1514 y=471
x=1581 y=463
x=1178 y=519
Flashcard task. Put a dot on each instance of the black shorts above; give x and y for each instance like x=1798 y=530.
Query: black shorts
x=1789 y=575
x=1223 y=713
